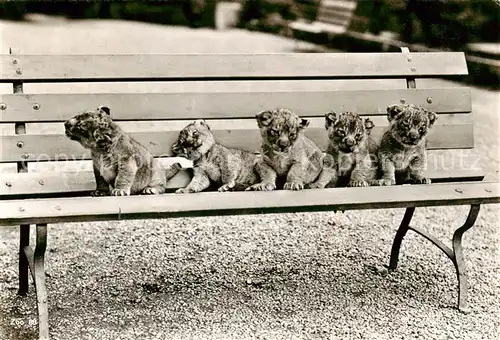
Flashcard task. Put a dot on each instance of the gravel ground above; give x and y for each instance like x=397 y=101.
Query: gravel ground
x=280 y=276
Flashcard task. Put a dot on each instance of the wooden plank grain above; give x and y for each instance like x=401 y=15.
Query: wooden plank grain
x=211 y=86
x=55 y=210
x=35 y=68
x=213 y=105
x=10 y=168
x=44 y=142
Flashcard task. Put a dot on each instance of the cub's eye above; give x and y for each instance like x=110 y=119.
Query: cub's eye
x=80 y=128
x=406 y=122
x=340 y=133
x=293 y=135
x=273 y=132
x=196 y=134
x=421 y=130
x=358 y=136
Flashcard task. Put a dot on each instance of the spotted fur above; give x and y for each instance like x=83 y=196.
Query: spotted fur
x=122 y=166
x=213 y=163
x=402 y=154
x=287 y=154
x=352 y=149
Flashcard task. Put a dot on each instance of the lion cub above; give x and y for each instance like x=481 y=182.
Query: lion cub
x=402 y=154
x=230 y=169
x=287 y=155
x=352 y=149
x=120 y=162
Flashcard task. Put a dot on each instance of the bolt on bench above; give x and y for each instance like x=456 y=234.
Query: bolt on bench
x=46 y=178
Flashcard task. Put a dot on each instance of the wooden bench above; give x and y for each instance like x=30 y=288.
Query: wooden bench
x=46 y=178
x=333 y=18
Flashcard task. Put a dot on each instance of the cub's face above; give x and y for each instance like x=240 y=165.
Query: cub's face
x=194 y=141
x=92 y=129
x=280 y=128
x=409 y=124
x=347 y=130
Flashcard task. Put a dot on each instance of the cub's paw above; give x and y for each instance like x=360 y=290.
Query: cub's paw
x=152 y=191
x=314 y=186
x=421 y=180
x=225 y=187
x=97 y=193
x=293 y=186
x=357 y=183
x=261 y=187
x=120 y=192
x=182 y=191
x=384 y=182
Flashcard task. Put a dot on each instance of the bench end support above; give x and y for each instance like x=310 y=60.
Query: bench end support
x=456 y=254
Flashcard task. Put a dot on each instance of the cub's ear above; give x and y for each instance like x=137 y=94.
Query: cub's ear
x=369 y=124
x=303 y=124
x=393 y=111
x=432 y=118
x=104 y=109
x=202 y=122
x=264 y=118
x=175 y=148
x=330 y=118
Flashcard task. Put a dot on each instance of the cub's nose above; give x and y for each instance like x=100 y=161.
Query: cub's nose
x=413 y=135
x=349 y=141
x=283 y=143
x=69 y=123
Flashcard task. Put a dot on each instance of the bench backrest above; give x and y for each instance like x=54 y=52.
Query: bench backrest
x=163 y=93
x=336 y=12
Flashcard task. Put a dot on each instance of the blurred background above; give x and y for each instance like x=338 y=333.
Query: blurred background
x=358 y=25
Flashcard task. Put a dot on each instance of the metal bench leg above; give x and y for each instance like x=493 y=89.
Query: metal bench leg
x=36 y=262
x=459 y=257
x=24 y=241
x=456 y=254
x=39 y=274
x=403 y=229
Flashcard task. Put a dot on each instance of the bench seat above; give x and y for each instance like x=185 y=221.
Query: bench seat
x=77 y=209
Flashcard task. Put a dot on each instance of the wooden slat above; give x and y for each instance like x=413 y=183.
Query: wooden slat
x=335 y=15
x=8 y=168
x=86 y=165
x=333 y=20
x=64 y=182
x=347 y=5
x=223 y=66
x=54 y=210
x=440 y=168
x=44 y=142
x=212 y=105
x=337 y=11
x=214 y=86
